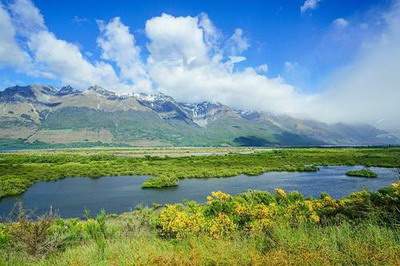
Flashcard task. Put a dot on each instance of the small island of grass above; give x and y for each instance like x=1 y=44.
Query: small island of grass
x=362 y=173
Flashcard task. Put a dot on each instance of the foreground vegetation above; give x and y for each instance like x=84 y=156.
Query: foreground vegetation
x=362 y=173
x=18 y=171
x=250 y=228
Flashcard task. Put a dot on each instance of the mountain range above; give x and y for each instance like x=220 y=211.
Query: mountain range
x=44 y=116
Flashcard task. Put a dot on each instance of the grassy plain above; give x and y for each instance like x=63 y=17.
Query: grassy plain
x=252 y=228
x=19 y=170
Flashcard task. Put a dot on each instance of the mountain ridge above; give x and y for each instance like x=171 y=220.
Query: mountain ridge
x=45 y=114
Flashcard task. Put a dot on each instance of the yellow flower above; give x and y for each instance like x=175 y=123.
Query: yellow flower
x=209 y=199
x=218 y=195
x=314 y=218
x=175 y=222
x=280 y=192
x=221 y=195
x=262 y=212
x=221 y=225
x=396 y=187
x=259 y=226
x=309 y=205
x=240 y=209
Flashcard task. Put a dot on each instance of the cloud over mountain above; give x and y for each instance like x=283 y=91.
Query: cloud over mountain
x=189 y=58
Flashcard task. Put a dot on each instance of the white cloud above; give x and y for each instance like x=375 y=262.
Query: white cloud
x=190 y=59
x=212 y=35
x=64 y=61
x=368 y=89
x=262 y=68
x=237 y=43
x=10 y=52
x=176 y=39
x=56 y=58
x=27 y=17
x=290 y=66
x=79 y=20
x=340 y=23
x=118 y=45
x=309 y=5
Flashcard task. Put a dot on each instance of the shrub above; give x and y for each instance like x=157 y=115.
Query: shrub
x=221 y=225
x=34 y=237
x=160 y=182
x=174 y=222
x=362 y=173
x=260 y=197
x=98 y=231
x=219 y=202
x=72 y=231
x=4 y=237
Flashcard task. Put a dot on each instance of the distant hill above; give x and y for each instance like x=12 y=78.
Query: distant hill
x=43 y=116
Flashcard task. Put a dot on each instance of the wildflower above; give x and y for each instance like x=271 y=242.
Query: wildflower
x=280 y=192
x=220 y=195
x=262 y=212
x=240 y=209
x=209 y=199
x=314 y=218
x=174 y=222
x=309 y=205
x=396 y=187
x=221 y=225
x=259 y=226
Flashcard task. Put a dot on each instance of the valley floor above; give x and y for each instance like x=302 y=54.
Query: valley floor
x=252 y=228
x=19 y=170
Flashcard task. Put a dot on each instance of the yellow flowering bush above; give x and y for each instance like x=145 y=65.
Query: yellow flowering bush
x=241 y=210
x=258 y=212
x=218 y=196
x=175 y=222
x=395 y=188
x=280 y=193
x=260 y=226
x=300 y=212
x=221 y=225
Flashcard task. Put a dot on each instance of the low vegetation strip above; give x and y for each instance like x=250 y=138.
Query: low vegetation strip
x=362 y=173
x=18 y=171
x=252 y=228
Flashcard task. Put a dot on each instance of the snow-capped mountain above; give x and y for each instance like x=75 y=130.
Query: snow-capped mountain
x=49 y=116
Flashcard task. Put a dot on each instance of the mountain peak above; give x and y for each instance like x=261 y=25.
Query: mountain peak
x=30 y=93
x=157 y=97
x=68 y=90
x=101 y=91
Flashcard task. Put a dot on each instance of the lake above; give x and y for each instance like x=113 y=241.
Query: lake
x=117 y=194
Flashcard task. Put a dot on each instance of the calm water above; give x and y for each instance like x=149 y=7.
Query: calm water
x=118 y=194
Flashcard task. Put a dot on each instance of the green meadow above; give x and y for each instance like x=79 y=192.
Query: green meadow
x=18 y=171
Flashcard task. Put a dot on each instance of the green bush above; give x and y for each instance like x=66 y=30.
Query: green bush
x=362 y=173
x=160 y=182
x=34 y=237
x=4 y=237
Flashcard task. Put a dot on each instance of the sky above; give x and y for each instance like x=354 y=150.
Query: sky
x=335 y=61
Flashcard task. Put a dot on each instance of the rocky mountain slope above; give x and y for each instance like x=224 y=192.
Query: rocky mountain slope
x=45 y=116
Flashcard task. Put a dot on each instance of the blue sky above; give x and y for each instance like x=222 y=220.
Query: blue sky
x=290 y=56
x=276 y=30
